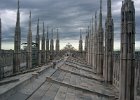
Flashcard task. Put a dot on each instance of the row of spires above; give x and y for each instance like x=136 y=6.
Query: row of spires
x=94 y=42
x=100 y=57
x=17 y=44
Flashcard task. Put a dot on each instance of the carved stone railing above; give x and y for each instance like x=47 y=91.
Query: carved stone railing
x=6 y=62
x=116 y=70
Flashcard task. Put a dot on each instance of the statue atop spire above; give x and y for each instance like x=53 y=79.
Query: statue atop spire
x=17 y=43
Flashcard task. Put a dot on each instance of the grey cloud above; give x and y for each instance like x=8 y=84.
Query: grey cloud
x=68 y=15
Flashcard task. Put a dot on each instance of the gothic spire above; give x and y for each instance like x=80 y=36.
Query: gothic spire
x=47 y=32
x=52 y=34
x=57 y=34
x=18 y=18
x=30 y=21
x=43 y=31
x=17 y=30
x=37 y=34
x=92 y=25
x=29 y=45
x=38 y=27
x=0 y=33
x=47 y=44
x=18 y=13
x=52 y=46
x=80 y=34
x=100 y=42
x=109 y=12
x=57 y=41
x=17 y=43
x=88 y=30
x=100 y=15
x=43 y=60
x=38 y=44
x=127 y=52
x=108 y=48
x=18 y=5
x=80 y=42
x=95 y=21
x=30 y=31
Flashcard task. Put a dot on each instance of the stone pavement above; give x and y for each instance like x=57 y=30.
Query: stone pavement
x=70 y=80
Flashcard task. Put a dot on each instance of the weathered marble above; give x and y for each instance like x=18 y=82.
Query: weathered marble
x=57 y=42
x=47 y=45
x=109 y=44
x=29 y=46
x=38 y=45
x=43 y=52
x=17 y=43
x=52 y=47
x=100 y=40
x=127 y=63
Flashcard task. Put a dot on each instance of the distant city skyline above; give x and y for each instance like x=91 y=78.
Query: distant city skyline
x=69 y=15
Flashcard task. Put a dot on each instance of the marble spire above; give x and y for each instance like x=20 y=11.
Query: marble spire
x=57 y=42
x=88 y=46
x=100 y=16
x=47 y=44
x=92 y=42
x=127 y=63
x=43 y=54
x=95 y=44
x=109 y=41
x=0 y=32
x=80 y=43
x=100 y=40
x=38 y=44
x=17 y=43
x=29 y=45
x=51 y=46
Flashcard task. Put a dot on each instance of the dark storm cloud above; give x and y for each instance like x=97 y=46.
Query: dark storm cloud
x=68 y=15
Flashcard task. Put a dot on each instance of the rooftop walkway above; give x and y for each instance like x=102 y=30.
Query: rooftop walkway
x=71 y=79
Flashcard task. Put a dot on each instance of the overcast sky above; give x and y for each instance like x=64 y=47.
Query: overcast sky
x=68 y=15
